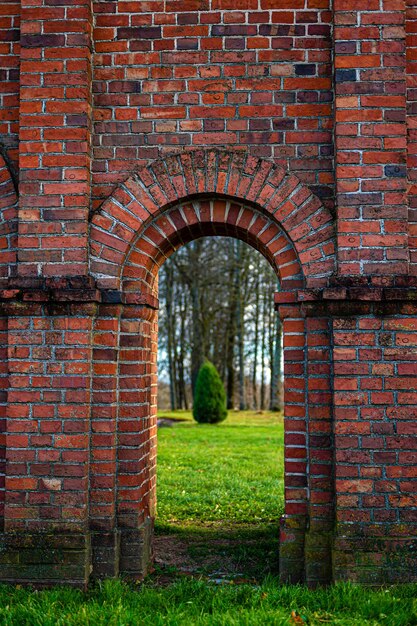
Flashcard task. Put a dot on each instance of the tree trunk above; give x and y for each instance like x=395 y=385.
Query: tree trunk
x=198 y=347
x=231 y=330
x=197 y=338
x=230 y=357
x=263 y=349
x=183 y=400
x=239 y=325
x=255 y=351
x=170 y=338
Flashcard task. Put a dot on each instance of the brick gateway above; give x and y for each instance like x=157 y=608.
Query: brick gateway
x=130 y=128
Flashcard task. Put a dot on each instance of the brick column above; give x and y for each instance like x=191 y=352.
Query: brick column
x=46 y=534
x=136 y=479
x=104 y=410
x=294 y=521
x=4 y=381
x=55 y=128
x=411 y=52
x=370 y=137
x=375 y=382
x=318 y=356
x=9 y=89
x=307 y=526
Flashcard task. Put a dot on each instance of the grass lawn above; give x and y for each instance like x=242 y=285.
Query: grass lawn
x=191 y=602
x=220 y=496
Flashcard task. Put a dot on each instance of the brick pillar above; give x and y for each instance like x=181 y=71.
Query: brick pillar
x=318 y=541
x=103 y=464
x=46 y=535
x=136 y=478
x=55 y=129
x=307 y=526
x=411 y=55
x=370 y=137
x=123 y=441
x=375 y=382
x=294 y=521
x=9 y=91
x=4 y=381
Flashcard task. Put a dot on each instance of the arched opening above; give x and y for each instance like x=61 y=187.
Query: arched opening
x=167 y=233
x=220 y=491
x=147 y=219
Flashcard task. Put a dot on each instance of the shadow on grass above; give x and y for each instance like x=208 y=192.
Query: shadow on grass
x=219 y=551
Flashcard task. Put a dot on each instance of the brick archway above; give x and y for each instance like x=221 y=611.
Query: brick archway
x=78 y=289
x=182 y=223
x=147 y=218
x=275 y=203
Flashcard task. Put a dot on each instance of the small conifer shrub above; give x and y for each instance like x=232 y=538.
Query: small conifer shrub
x=209 y=397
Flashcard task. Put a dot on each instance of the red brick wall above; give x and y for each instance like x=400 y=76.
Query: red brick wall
x=9 y=76
x=48 y=420
x=411 y=60
x=141 y=125
x=172 y=75
x=55 y=137
x=375 y=437
x=8 y=221
x=370 y=136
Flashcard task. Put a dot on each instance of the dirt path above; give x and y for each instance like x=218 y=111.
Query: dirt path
x=235 y=555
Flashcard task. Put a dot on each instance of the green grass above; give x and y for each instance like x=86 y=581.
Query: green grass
x=193 y=602
x=220 y=497
x=220 y=490
x=232 y=471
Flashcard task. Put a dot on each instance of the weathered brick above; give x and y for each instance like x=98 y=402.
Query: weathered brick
x=255 y=80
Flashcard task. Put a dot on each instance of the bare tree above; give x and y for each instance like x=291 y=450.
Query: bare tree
x=216 y=302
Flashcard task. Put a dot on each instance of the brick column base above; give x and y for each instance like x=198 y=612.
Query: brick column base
x=291 y=549
x=126 y=552
x=305 y=552
x=375 y=560
x=45 y=559
x=136 y=550
x=105 y=554
x=318 y=554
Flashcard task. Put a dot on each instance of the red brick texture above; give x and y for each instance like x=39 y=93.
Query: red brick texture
x=411 y=80
x=375 y=440
x=370 y=135
x=8 y=221
x=55 y=137
x=136 y=228
x=130 y=128
x=47 y=420
x=211 y=73
x=9 y=75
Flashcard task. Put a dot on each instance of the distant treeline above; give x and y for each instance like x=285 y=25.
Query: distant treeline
x=216 y=302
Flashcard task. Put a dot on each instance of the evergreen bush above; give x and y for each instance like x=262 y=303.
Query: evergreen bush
x=209 y=397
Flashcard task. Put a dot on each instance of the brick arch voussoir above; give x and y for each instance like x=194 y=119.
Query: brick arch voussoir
x=233 y=175
x=216 y=216
x=8 y=221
